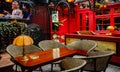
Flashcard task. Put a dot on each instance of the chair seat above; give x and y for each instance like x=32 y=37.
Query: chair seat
x=72 y=64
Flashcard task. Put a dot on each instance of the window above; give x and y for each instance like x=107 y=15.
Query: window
x=103 y=11
x=102 y=23
x=108 y=16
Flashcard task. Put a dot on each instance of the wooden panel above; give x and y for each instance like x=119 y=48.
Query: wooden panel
x=101 y=45
x=105 y=45
x=41 y=17
x=69 y=40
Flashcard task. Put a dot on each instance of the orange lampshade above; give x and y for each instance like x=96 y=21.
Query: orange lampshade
x=23 y=40
x=110 y=28
x=107 y=1
x=70 y=0
x=8 y=1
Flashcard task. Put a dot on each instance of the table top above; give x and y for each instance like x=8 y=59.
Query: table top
x=44 y=57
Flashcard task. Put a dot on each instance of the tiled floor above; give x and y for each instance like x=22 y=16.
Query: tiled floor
x=111 y=68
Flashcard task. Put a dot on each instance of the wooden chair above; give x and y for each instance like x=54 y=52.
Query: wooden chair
x=50 y=44
x=14 y=51
x=72 y=64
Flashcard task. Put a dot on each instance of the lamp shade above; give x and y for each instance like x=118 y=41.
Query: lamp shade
x=23 y=40
x=70 y=0
x=8 y=1
x=110 y=28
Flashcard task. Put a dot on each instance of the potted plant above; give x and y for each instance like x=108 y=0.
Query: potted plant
x=8 y=31
x=56 y=29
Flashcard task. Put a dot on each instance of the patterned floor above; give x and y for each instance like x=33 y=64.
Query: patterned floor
x=111 y=68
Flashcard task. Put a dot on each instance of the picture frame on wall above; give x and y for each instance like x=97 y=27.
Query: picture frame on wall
x=55 y=16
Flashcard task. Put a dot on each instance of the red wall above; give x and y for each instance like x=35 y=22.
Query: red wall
x=41 y=18
x=73 y=22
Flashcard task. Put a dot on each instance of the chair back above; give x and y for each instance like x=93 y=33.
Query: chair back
x=98 y=61
x=72 y=64
x=50 y=44
x=86 y=45
x=17 y=50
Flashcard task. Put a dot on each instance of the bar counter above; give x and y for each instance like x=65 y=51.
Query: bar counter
x=104 y=42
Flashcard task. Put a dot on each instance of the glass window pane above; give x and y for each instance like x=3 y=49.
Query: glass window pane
x=103 y=11
x=117 y=22
x=102 y=23
x=117 y=9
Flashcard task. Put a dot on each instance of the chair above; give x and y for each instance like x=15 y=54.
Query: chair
x=72 y=64
x=84 y=46
x=14 y=51
x=50 y=44
x=97 y=61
